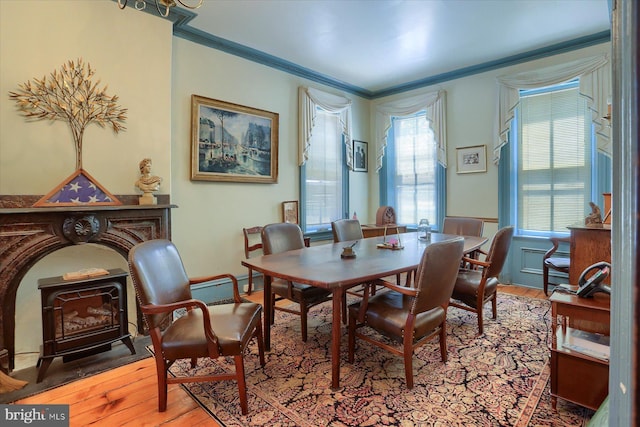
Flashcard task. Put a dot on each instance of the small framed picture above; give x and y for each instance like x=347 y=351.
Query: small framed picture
x=290 y=211
x=472 y=159
x=360 y=156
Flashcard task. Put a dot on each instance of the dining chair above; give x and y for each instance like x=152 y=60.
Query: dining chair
x=350 y=230
x=557 y=263
x=250 y=245
x=464 y=226
x=411 y=315
x=282 y=237
x=162 y=286
x=475 y=287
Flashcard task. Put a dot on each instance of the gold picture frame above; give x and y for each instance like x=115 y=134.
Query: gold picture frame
x=290 y=212
x=231 y=142
x=471 y=159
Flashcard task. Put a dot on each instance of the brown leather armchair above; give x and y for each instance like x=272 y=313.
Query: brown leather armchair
x=282 y=237
x=162 y=286
x=561 y=264
x=411 y=315
x=475 y=287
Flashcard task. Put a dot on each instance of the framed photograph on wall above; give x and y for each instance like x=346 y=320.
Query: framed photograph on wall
x=472 y=159
x=360 y=156
x=231 y=142
x=290 y=211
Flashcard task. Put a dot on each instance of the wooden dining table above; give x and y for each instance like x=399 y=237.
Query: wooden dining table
x=322 y=266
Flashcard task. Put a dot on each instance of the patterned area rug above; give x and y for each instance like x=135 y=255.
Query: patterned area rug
x=499 y=379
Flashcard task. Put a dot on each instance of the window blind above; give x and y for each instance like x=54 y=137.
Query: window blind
x=554 y=160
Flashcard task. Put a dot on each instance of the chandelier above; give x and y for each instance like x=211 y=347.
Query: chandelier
x=168 y=4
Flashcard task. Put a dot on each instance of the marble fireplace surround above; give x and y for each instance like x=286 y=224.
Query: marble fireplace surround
x=28 y=234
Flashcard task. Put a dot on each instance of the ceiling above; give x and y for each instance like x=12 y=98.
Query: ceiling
x=377 y=45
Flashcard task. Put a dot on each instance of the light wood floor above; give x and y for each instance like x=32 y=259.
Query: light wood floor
x=127 y=396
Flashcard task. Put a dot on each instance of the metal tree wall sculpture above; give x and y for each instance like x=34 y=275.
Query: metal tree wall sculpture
x=69 y=95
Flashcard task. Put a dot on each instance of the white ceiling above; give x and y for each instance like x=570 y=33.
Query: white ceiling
x=380 y=44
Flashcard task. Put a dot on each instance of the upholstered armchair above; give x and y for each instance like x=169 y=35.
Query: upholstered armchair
x=282 y=237
x=162 y=286
x=475 y=287
x=411 y=315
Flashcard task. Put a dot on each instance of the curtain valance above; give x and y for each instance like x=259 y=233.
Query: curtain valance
x=311 y=98
x=595 y=86
x=434 y=105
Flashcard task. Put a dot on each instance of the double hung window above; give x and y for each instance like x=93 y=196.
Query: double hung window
x=324 y=175
x=553 y=152
x=411 y=179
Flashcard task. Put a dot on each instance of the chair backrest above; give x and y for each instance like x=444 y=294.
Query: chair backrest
x=498 y=252
x=385 y=215
x=281 y=237
x=346 y=229
x=158 y=276
x=463 y=226
x=249 y=245
x=437 y=273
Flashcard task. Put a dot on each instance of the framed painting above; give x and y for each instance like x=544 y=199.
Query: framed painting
x=290 y=211
x=360 y=156
x=472 y=159
x=231 y=142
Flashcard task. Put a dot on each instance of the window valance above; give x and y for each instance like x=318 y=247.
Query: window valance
x=434 y=105
x=310 y=99
x=595 y=86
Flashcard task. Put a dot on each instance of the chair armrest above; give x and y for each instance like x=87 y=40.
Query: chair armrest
x=405 y=290
x=212 y=339
x=556 y=244
x=234 y=281
x=477 y=262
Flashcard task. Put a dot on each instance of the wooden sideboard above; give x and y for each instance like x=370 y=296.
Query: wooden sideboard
x=378 y=230
x=589 y=244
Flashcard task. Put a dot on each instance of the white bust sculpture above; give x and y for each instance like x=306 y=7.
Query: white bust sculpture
x=147 y=183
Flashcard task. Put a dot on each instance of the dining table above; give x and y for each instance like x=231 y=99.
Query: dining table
x=323 y=266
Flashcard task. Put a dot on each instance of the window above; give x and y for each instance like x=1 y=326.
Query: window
x=554 y=158
x=324 y=175
x=411 y=176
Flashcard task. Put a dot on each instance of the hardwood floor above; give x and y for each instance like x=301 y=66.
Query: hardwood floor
x=127 y=396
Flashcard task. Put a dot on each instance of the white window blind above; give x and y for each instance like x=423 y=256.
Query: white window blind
x=413 y=174
x=324 y=173
x=554 y=160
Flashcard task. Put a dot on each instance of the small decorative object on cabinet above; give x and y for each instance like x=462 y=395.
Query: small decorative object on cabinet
x=579 y=358
x=147 y=183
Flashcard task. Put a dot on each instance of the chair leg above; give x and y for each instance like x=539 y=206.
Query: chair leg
x=242 y=386
x=161 y=371
x=443 y=341
x=408 y=360
x=545 y=279
x=494 y=305
x=303 y=321
x=260 y=339
x=352 y=338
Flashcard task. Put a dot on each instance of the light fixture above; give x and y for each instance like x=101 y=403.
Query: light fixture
x=168 y=4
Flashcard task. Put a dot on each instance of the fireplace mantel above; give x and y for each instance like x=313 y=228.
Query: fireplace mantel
x=27 y=234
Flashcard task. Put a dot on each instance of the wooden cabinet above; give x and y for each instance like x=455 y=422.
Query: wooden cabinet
x=588 y=246
x=378 y=230
x=575 y=375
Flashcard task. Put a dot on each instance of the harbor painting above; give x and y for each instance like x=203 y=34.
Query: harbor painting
x=232 y=142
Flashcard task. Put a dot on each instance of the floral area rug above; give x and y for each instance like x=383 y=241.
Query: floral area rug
x=498 y=379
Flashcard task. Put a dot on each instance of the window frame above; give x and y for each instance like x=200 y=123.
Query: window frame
x=325 y=233
x=388 y=167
